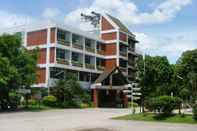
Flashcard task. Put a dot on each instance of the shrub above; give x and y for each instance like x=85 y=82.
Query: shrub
x=195 y=112
x=32 y=102
x=134 y=104
x=163 y=104
x=50 y=101
x=14 y=100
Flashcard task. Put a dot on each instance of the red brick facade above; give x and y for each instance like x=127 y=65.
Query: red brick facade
x=110 y=49
x=42 y=56
x=105 y=25
x=109 y=36
x=52 y=55
x=123 y=37
x=53 y=30
x=41 y=75
x=37 y=37
x=110 y=63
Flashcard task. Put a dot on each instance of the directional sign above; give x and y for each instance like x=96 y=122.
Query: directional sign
x=134 y=97
x=24 y=91
x=136 y=93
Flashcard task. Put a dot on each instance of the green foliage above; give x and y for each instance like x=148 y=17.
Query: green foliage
x=158 y=118
x=195 y=112
x=69 y=92
x=163 y=104
x=32 y=102
x=187 y=69
x=50 y=101
x=17 y=66
x=14 y=100
x=134 y=104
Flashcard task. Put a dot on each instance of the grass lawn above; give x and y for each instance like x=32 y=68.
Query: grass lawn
x=158 y=118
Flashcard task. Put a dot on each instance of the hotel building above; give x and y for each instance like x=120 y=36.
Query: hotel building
x=92 y=58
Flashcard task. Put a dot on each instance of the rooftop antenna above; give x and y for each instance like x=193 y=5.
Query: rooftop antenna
x=94 y=18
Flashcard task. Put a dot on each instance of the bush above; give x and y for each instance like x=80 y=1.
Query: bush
x=134 y=104
x=50 y=101
x=14 y=100
x=32 y=102
x=195 y=112
x=163 y=104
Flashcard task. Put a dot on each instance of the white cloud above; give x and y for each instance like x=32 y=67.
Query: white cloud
x=171 y=46
x=50 y=13
x=8 y=19
x=129 y=13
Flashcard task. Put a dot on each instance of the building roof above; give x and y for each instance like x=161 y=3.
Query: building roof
x=45 y=24
x=120 y=25
x=108 y=72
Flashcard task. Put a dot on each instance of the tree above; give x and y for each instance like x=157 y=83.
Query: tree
x=18 y=66
x=186 y=67
x=68 y=91
x=155 y=74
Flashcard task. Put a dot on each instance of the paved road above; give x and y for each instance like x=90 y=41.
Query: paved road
x=81 y=120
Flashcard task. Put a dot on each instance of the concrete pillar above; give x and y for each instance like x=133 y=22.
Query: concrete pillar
x=125 y=101
x=95 y=97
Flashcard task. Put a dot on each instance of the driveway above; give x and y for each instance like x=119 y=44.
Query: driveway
x=81 y=120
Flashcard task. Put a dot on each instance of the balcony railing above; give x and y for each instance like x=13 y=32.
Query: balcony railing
x=124 y=69
x=101 y=52
x=90 y=49
x=77 y=45
x=131 y=49
x=90 y=66
x=131 y=63
x=99 y=67
x=123 y=53
x=62 y=61
x=64 y=42
x=77 y=63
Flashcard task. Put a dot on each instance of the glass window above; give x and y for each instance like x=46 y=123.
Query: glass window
x=57 y=73
x=60 y=54
x=75 y=56
x=87 y=59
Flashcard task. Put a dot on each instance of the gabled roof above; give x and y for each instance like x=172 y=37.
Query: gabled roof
x=108 y=72
x=120 y=25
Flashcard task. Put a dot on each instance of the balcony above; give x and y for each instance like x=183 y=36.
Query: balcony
x=100 y=67
x=63 y=37
x=62 y=61
x=90 y=49
x=131 y=63
x=63 y=42
x=131 y=49
x=77 y=41
x=78 y=46
x=100 y=52
x=123 y=53
x=90 y=66
x=77 y=63
x=124 y=69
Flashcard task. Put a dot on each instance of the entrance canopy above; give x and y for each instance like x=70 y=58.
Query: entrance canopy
x=111 y=78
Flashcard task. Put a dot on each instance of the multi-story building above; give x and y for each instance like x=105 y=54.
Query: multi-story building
x=63 y=49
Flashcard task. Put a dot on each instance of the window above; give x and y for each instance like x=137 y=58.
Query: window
x=63 y=35
x=75 y=56
x=57 y=73
x=76 y=39
x=87 y=59
x=60 y=54
x=84 y=76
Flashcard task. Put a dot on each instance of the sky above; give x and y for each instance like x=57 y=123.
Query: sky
x=163 y=27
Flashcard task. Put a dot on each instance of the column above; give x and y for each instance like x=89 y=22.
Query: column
x=95 y=97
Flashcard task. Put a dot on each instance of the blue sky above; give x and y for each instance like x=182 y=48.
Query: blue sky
x=163 y=27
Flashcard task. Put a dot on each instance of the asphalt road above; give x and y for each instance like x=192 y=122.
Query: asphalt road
x=81 y=120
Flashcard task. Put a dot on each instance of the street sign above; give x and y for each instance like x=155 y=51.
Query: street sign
x=24 y=91
x=38 y=96
x=134 y=97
